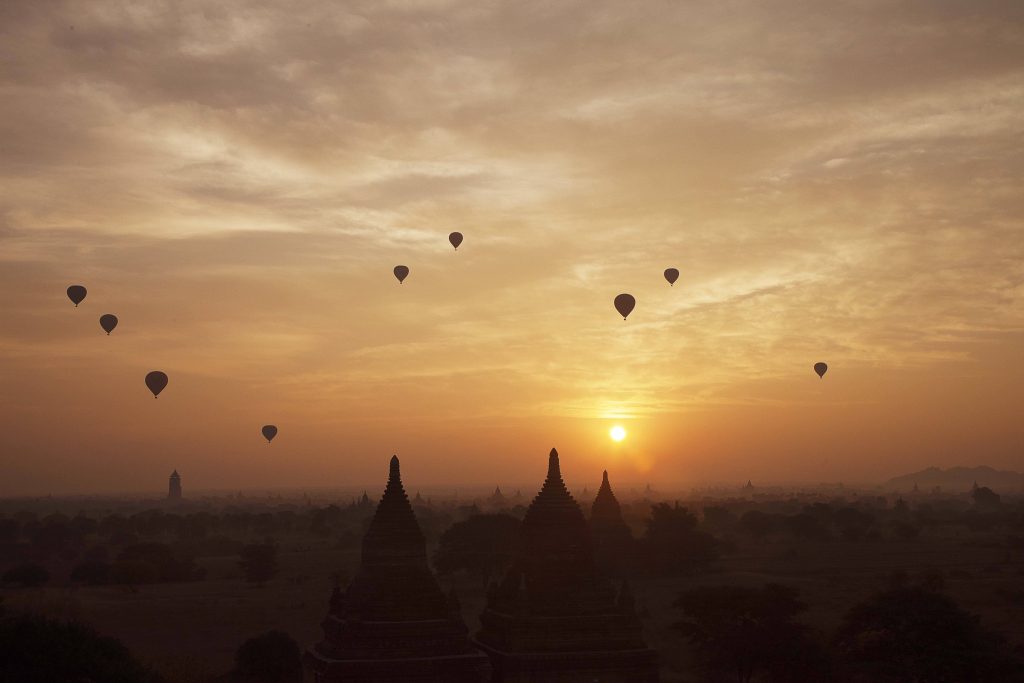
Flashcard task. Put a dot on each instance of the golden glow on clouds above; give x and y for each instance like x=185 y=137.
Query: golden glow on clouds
x=237 y=182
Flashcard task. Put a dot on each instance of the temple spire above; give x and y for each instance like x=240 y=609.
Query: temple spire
x=554 y=471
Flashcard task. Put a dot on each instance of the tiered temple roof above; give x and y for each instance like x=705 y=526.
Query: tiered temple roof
x=393 y=622
x=554 y=617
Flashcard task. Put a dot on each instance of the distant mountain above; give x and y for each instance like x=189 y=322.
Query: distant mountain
x=958 y=479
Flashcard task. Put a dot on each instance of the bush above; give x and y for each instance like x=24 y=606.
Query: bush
x=481 y=544
x=41 y=650
x=273 y=657
x=27 y=575
x=672 y=542
x=914 y=633
x=740 y=632
x=92 y=572
x=259 y=562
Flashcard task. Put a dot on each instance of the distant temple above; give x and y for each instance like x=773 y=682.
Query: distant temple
x=552 y=617
x=613 y=541
x=497 y=498
x=393 y=623
x=174 y=486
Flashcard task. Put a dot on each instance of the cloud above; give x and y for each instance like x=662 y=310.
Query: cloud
x=239 y=180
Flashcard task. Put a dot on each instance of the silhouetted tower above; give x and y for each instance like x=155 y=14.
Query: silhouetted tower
x=174 y=486
x=497 y=498
x=613 y=541
x=552 y=617
x=393 y=622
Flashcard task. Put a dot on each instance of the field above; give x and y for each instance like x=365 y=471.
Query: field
x=190 y=631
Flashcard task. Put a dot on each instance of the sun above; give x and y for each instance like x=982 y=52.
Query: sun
x=617 y=433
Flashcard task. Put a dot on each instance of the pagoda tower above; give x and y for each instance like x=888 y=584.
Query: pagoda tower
x=174 y=486
x=497 y=498
x=554 y=617
x=614 y=546
x=393 y=623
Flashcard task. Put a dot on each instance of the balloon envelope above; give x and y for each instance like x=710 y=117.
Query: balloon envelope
x=821 y=369
x=156 y=381
x=671 y=274
x=401 y=272
x=624 y=304
x=456 y=239
x=108 y=322
x=76 y=293
x=269 y=432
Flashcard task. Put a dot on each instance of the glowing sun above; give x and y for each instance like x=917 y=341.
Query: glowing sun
x=617 y=433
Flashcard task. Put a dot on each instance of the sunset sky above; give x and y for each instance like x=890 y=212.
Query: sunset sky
x=837 y=182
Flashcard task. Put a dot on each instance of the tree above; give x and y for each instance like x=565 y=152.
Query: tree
x=481 y=544
x=719 y=518
x=853 y=524
x=757 y=524
x=914 y=633
x=273 y=657
x=672 y=542
x=28 y=575
x=745 y=631
x=92 y=572
x=259 y=562
x=985 y=498
x=150 y=562
x=807 y=526
x=42 y=650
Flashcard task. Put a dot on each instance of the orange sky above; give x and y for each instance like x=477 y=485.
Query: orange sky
x=236 y=182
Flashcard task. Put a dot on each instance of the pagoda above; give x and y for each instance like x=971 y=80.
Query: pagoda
x=393 y=623
x=554 y=617
x=174 y=486
x=497 y=498
x=614 y=546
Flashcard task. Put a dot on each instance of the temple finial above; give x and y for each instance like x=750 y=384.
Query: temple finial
x=554 y=472
x=604 y=479
x=395 y=474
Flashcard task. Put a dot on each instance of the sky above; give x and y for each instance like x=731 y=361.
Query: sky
x=837 y=182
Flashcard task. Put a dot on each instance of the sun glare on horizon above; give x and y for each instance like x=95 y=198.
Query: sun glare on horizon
x=618 y=433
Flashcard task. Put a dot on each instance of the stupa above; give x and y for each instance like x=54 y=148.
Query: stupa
x=554 y=617
x=174 y=486
x=614 y=546
x=393 y=623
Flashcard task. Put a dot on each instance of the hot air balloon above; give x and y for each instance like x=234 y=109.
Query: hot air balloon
x=269 y=432
x=77 y=294
x=156 y=381
x=401 y=272
x=624 y=304
x=456 y=239
x=821 y=369
x=671 y=274
x=108 y=321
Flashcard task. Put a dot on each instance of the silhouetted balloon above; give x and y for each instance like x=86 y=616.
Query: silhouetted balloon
x=108 y=321
x=269 y=432
x=456 y=239
x=821 y=369
x=401 y=272
x=156 y=381
x=671 y=274
x=624 y=304
x=77 y=294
